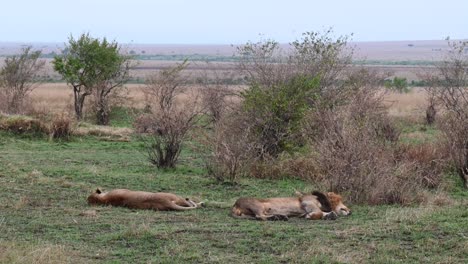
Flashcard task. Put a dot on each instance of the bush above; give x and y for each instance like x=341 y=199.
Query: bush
x=399 y=85
x=428 y=161
x=230 y=147
x=23 y=125
x=276 y=113
x=61 y=127
x=169 y=120
x=19 y=76
x=448 y=89
x=298 y=167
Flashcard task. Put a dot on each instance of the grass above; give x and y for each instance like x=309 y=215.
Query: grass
x=44 y=217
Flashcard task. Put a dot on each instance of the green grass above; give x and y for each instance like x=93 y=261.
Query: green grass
x=44 y=185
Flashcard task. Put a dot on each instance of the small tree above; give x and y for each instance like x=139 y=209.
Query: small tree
x=90 y=64
x=19 y=77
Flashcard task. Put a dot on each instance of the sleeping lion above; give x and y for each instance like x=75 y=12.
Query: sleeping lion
x=310 y=206
x=142 y=200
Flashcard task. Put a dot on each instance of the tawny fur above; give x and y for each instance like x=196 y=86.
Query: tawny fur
x=142 y=200
x=306 y=205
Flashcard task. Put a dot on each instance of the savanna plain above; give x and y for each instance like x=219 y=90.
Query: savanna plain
x=45 y=218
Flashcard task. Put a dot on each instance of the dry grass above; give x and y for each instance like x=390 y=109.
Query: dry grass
x=35 y=254
x=412 y=104
x=58 y=97
x=105 y=132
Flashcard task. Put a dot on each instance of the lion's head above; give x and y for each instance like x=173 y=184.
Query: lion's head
x=95 y=197
x=337 y=206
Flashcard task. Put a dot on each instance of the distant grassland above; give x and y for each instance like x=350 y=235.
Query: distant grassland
x=233 y=58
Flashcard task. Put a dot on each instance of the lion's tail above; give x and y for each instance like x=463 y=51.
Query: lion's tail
x=323 y=199
x=180 y=208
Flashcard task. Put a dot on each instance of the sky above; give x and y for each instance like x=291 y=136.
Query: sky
x=230 y=22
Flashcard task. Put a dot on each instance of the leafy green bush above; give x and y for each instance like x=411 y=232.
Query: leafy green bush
x=398 y=84
x=276 y=112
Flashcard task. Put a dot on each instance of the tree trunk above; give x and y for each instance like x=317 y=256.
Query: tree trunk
x=430 y=114
x=79 y=102
x=463 y=172
x=102 y=112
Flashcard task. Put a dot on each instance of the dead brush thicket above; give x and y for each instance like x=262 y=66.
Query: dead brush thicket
x=230 y=148
x=359 y=152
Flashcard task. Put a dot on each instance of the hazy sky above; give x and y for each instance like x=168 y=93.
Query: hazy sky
x=230 y=22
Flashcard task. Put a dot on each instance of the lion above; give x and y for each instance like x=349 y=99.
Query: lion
x=142 y=200
x=310 y=206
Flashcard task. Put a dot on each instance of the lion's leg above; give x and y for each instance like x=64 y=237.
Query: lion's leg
x=314 y=215
x=330 y=216
x=321 y=215
x=271 y=217
x=317 y=215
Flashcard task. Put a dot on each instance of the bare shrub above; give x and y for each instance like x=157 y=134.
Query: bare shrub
x=357 y=151
x=263 y=63
x=456 y=137
x=230 y=148
x=216 y=95
x=428 y=161
x=449 y=89
x=355 y=160
x=302 y=167
x=18 y=78
x=322 y=54
x=349 y=154
x=170 y=118
x=61 y=127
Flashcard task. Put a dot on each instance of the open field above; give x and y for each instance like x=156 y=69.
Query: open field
x=45 y=219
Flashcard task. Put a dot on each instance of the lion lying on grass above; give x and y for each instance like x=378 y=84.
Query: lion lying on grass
x=311 y=206
x=142 y=200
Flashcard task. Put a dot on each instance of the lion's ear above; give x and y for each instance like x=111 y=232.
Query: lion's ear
x=98 y=191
